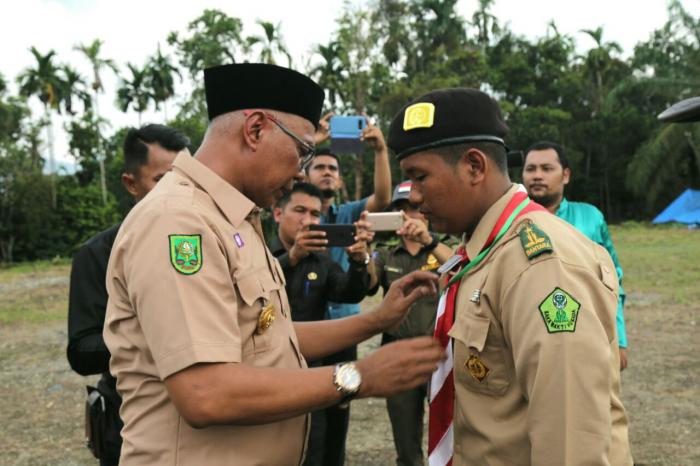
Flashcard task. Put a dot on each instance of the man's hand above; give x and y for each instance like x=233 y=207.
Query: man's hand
x=415 y=230
x=373 y=136
x=623 y=359
x=363 y=236
x=306 y=242
x=402 y=294
x=399 y=366
x=324 y=129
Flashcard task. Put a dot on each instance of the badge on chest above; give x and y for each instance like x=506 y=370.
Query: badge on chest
x=266 y=318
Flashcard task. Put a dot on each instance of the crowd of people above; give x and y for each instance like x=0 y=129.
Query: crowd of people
x=502 y=309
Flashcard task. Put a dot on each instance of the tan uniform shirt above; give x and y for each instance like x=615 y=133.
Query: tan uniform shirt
x=173 y=305
x=531 y=389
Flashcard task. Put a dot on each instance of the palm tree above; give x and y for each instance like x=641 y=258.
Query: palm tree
x=160 y=80
x=329 y=73
x=134 y=92
x=271 y=43
x=44 y=81
x=92 y=53
x=486 y=24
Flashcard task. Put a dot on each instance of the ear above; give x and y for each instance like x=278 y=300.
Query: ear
x=566 y=176
x=253 y=128
x=277 y=214
x=473 y=161
x=129 y=182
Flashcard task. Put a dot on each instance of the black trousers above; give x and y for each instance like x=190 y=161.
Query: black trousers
x=329 y=427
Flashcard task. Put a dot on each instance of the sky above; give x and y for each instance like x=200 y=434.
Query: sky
x=133 y=29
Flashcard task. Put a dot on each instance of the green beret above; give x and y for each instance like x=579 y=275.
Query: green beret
x=684 y=111
x=257 y=85
x=446 y=117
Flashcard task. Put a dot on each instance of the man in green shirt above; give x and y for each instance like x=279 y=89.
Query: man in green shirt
x=545 y=174
x=415 y=249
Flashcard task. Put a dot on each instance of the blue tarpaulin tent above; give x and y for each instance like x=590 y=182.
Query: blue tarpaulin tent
x=685 y=209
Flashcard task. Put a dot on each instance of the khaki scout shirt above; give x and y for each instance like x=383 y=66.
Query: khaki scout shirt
x=161 y=321
x=532 y=397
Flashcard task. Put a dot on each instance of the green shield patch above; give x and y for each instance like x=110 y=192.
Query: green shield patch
x=186 y=253
x=534 y=241
x=560 y=311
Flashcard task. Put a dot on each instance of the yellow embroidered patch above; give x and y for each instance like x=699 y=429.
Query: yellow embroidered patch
x=420 y=115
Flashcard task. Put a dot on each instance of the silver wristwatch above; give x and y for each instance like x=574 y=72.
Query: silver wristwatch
x=347 y=380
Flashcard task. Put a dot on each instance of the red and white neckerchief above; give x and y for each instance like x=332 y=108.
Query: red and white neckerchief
x=442 y=393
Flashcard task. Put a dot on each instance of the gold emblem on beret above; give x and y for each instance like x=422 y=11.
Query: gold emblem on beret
x=312 y=276
x=265 y=319
x=420 y=115
x=477 y=368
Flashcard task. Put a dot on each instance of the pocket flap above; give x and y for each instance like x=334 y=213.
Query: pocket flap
x=472 y=331
x=250 y=288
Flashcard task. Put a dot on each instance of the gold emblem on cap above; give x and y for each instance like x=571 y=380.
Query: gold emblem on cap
x=265 y=319
x=420 y=115
x=477 y=368
x=312 y=276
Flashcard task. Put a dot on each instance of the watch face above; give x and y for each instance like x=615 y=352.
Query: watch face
x=349 y=378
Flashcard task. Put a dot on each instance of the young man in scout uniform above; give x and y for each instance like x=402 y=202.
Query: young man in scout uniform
x=527 y=311
x=417 y=249
x=313 y=279
x=198 y=323
x=546 y=172
x=148 y=155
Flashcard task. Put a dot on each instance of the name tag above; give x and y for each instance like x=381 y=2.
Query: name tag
x=450 y=264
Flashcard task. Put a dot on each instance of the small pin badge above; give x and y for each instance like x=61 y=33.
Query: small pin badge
x=239 y=241
x=476 y=296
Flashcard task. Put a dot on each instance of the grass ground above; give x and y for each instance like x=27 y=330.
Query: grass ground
x=41 y=407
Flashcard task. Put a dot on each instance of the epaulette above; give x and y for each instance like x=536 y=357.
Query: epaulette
x=534 y=240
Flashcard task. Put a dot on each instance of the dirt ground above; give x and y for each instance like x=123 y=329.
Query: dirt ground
x=41 y=399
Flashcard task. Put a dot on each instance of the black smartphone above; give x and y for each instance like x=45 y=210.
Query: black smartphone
x=338 y=235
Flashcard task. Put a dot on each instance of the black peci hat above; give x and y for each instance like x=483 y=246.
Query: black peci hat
x=685 y=111
x=257 y=85
x=446 y=117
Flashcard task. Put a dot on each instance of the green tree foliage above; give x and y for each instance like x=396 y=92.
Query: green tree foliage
x=213 y=39
x=136 y=91
x=270 y=44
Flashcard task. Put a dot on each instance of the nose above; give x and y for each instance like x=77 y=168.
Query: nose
x=415 y=197
x=300 y=176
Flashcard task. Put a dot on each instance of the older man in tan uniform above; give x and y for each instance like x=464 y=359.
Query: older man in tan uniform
x=529 y=307
x=209 y=364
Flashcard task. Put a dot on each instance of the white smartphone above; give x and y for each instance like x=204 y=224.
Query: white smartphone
x=385 y=221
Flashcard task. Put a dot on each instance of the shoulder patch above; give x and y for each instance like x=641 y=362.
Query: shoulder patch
x=534 y=241
x=186 y=253
x=560 y=311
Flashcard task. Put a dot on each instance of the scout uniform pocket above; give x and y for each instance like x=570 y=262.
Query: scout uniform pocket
x=479 y=361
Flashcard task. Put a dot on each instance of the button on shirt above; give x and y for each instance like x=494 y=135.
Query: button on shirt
x=161 y=320
x=316 y=279
x=590 y=221
x=525 y=393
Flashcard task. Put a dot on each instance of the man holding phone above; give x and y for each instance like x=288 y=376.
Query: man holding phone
x=417 y=249
x=312 y=280
x=324 y=172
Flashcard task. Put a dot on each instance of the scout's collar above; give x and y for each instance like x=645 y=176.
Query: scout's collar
x=234 y=205
x=487 y=222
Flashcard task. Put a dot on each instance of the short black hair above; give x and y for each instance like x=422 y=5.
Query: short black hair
x=544 y=145
x=136 y=149
x=305 y=188
x=496 y=152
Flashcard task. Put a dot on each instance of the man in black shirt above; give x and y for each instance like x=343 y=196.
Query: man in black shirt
x=313 y=279
x=148 y=154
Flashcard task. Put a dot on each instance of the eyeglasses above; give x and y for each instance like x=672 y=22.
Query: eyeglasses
x=308 y=151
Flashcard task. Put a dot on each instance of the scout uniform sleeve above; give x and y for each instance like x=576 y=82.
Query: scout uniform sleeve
x=182 y=292
x=608 y=245
x=554 y=319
